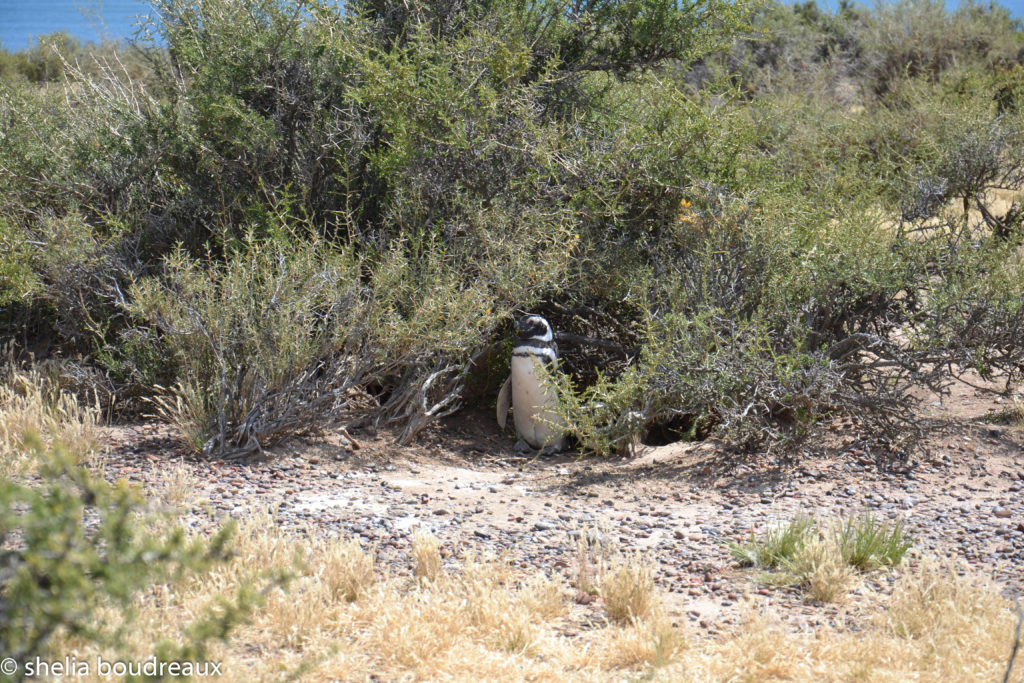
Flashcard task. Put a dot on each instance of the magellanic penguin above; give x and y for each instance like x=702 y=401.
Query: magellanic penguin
x=533 y=399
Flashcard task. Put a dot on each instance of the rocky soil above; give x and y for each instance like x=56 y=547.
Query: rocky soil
x=679 y=505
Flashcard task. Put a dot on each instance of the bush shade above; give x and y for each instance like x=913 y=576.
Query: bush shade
x=743 y=220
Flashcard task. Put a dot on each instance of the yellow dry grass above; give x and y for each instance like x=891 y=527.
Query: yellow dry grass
x=30 y=405
x=942 y=623
x=347 y=569
x=627 y=589
x=590 y=557
x=829 y=577
x=820 y=567
x=482 y=621
x=426 y=557
x=179 y=484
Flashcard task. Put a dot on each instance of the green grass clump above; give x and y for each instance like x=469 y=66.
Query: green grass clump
x=778 y=546
x=823 y=560
x=867 y=543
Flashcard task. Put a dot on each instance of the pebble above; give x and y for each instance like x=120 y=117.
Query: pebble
x=945 y=510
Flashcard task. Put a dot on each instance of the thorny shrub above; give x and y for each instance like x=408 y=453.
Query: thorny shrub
x=739 y=222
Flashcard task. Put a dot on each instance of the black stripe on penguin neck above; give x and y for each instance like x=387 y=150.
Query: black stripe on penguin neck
x=537 y=343
x=544 y=358
x=547 y=352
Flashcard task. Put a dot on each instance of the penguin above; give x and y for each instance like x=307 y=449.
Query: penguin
x=532 y=397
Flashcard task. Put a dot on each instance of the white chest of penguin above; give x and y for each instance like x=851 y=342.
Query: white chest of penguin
x=534 y=401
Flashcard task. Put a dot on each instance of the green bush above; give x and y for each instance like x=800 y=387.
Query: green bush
x=241 y=334
x=746 y=220
x=17 y=278
x=274 y=340
x=920 y=38
x=75 y=545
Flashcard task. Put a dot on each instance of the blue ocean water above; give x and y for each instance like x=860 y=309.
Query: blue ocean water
x=22 y=21
x=1016 y=7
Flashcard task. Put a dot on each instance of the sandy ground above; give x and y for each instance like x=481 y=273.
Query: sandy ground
x=679 y=505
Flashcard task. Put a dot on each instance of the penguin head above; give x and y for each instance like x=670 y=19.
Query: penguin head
x=534 y=327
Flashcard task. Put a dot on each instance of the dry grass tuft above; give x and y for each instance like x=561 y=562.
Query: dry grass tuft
x=426 y=556
x=628 y=591
x=830 y=580
x=956 y=620
x=30 y=404
x=259 y=545
x=590 y=554
x=346 y=569
x=544 y=597
x=824 y=560
x=655 y=643
x=819 y=565
x=179 y=484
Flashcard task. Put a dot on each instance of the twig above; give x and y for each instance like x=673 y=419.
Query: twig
x=352 y=442
x=1016 y=642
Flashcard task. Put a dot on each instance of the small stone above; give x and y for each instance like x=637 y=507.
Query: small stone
x=1002 y=513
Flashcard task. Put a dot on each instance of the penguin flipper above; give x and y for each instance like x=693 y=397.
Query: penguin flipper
x=504 y=402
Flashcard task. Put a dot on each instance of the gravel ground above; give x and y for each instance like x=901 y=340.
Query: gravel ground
x=679 y=505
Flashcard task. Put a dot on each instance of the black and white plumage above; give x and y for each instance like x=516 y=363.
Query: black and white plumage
x=527 y=390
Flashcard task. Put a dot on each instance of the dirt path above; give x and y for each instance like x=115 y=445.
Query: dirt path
x=679 y=505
